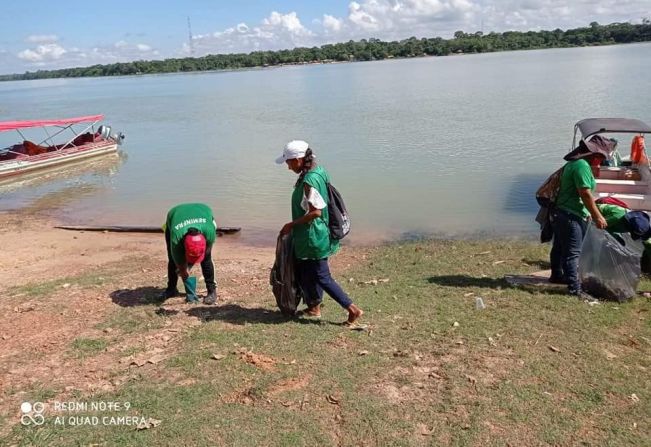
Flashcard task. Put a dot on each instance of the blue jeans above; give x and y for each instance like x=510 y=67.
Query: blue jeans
x=315 y=278
x=569 y=230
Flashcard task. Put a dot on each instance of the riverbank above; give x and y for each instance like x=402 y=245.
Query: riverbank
x=77 y=324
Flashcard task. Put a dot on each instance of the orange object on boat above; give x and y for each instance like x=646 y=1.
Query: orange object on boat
x=638 y=153
x=33 y=149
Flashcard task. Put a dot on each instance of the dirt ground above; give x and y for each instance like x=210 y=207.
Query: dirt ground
x=59 y=287
x=37 y=327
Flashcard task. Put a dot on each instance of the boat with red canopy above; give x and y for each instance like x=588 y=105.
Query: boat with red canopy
x=80 y=141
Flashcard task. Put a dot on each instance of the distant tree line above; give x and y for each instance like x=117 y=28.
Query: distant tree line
x=368 y=50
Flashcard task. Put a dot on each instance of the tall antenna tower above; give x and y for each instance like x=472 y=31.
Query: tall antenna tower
x=190 y=38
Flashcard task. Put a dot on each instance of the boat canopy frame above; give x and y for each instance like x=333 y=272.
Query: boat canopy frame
x=62 y=125
x=593 y=126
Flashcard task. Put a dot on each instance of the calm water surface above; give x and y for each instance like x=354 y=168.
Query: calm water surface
x=446 y=146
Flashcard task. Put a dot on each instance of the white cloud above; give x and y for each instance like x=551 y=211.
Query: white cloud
x=551 y=14
x=54 y=55
x=276 y=31
x=386 y=19
x=43 y=53
x=332 y=24
x=42 y=38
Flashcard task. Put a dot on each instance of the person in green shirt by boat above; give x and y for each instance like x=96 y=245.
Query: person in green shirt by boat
x=310 y=232
x=190 y=232
x=573 y=208
x=623 y=220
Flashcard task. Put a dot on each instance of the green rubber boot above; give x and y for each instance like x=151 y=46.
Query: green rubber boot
x=190 y=285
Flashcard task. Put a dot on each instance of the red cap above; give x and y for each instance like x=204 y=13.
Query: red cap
x=195 y=248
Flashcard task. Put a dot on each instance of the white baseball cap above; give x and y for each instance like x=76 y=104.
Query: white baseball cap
x=293 y=149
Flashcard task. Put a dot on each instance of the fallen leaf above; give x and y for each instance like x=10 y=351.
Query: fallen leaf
x=218 y=356
x=610 y=355
x=149 y=423
x=425 y=431
x=156 y=359
x=331 y=399
x=553 y=348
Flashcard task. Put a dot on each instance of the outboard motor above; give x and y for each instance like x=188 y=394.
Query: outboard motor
x=105 y=132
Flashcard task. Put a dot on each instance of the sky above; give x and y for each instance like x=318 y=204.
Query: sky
x=42 y=34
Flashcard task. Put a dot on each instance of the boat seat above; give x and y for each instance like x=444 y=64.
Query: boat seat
x=33 y=148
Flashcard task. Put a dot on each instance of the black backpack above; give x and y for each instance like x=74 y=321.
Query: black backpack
x=339 y=223
x=339 y=220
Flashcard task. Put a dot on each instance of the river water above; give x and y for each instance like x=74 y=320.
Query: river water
x=448 y=146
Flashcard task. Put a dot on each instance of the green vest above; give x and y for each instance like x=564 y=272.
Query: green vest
x=614 y=216
x=312 y=241
x=183 y=217
x=577 y=174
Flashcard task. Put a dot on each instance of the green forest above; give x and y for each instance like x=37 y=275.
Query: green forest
x=368 y=50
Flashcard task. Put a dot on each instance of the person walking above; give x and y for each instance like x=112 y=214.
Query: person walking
x=190 y=232
x=309 y=229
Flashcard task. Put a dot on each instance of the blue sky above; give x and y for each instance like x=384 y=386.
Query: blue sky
x=40 y=34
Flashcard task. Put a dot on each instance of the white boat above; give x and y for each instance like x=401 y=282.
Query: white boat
x=80 y=141
x=623 y=177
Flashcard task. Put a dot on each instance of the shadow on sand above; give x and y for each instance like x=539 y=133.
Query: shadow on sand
x=140 y=296
x=467 y=281
x=238 y=315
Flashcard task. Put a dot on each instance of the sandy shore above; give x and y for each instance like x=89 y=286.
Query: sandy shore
x=34 y=251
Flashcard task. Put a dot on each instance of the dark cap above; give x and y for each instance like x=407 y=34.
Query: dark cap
x=638 y=224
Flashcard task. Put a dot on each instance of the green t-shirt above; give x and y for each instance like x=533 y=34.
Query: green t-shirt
x=185 y=216
x=576 y=174
x=614 y=216
x=312 y=241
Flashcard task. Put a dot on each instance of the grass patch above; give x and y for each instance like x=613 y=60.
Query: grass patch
x=415 y=378
x=133 y=319
x=46 y=288
x=87 y=347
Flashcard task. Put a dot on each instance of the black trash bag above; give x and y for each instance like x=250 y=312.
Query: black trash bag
x=283 y=278
x=646 y=258
x=609 y=268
